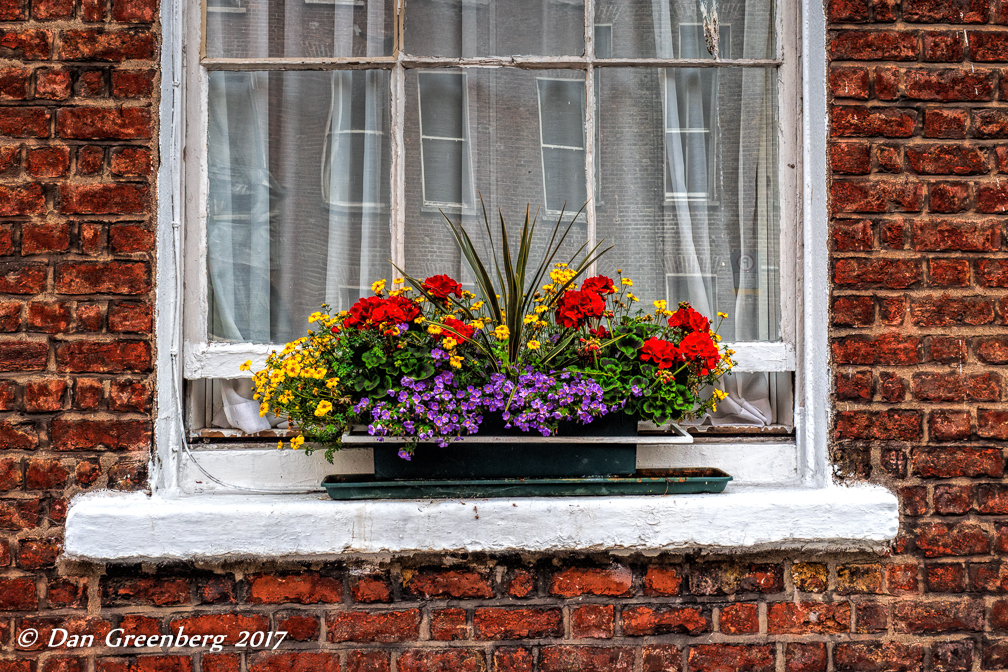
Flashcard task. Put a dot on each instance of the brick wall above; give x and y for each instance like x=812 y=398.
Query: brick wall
x=918 y=311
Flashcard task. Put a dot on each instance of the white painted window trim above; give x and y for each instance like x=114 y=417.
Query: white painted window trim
x=811 y=512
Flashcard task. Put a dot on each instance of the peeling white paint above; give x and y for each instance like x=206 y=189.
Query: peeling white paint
x=224 y=527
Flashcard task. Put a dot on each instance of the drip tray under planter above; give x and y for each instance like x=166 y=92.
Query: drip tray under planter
x=644 y=482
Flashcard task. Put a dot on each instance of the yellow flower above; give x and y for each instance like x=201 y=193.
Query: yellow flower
x=722 y=315
x=541 y=309
x=529 y=319
x=660 y=305
x=449 y=343
x=632 y=297
x=279 y=445
x=263 y=409
x=332 y=383
x=247 y=366
x=433 y=330
x=627 y=281
x=533 y=344
x=477 y=324
x=477 y=305
x=378 y=286
x=467 y=294
x=455 y=361
x=297 y=442
x=292 y=367
x=502 y=332
x=720 y=394
x=323 y=408
x=420 y=319
x=314 y=317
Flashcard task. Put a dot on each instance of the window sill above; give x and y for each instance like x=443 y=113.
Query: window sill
x=226 y=527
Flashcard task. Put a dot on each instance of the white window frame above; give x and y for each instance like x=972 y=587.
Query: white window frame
x=808 y=511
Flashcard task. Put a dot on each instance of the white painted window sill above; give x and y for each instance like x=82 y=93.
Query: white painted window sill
x=118 y=527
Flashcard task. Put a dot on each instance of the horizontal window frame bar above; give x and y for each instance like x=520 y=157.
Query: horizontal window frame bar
x=518 y=62
x=222 y=360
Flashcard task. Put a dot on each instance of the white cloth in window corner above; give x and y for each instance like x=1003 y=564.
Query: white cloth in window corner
x=241 y=411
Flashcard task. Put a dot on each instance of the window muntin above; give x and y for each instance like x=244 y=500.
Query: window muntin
x=206 y=358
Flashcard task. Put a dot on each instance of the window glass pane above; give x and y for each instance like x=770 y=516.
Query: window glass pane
x=494 y=27
x=297 y=212
x=755 y=399
x=675 y=28
x=503 y=143
x=689 y=200
x=306 y=28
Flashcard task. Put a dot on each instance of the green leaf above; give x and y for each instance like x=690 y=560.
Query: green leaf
x=373 y=358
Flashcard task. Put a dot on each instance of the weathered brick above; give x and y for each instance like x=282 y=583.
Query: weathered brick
x=593 y=621
x=103 y=357
x=862 y=121
x=942 y=47
x=377 y=626
x=953 y=500
x=21 y=200
x=661 y=658
x=939 y=540
x=102 y=123
x=808 y=617
x=850 y=82
x=28 y=44
x=448 y=625
x=877 y=196
x=612 y=581
x=98 y=434
x=950 y=84
x=295 y=661
x=805 y=657
x=952 y=426
x=946 y=310
x=645 y=620
x=725 y=658
x=946 y=11
x=23 y=355
x=501 y=623
x=878 y=657
x=810 y=577
x=370 y=589
x=739 y=619
x=102 y=199
x=110 y=46
x=586 y=659
x=306 y=588
x=947 y=159
x=456 y=584
x=873 y=45
x=939 y=234
x=859 y=579
x=850 y=158
x=949 y=197
x=942 y=122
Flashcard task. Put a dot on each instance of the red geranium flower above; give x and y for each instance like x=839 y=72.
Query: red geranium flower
x=441 y=286
x=700 y=346
x=688 y=319
x=575 y=307
x=599 y=284
x=662 y=353
x=600 y=332
x=463 y=332
x=372 y=311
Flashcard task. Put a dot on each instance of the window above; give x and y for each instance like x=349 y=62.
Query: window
x=268 y=77
x=561 y=136
x=444 y=140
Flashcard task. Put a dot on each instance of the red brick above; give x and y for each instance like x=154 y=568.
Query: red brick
x=992 y=350
x=805 y=657
x=885 y=426
x=90 y=160
x=369 y=661
x=592 y=621
x=428 y=660
x=93 y=10
x=948 y=272
x=18 y=594
x=131 y=162
x=99 y=357
x=375 y=626
x=448 y=625
x=871 y=617
x=612 y=581
x=808 y=617
x=848 y=11
x=92 y=83
x=940 y=122
x=645 y=620
x=992 y=499
x=46 y=395
x=302 y=589
x=10 y=474
x=935 y=617
x=52 y=9
x=946 y=11
x=850 y=158
x=23 y=355
x=853 y=236
x=990 y=123
x=97 y=434
x=10 y=157
x=128 y=475
x=943 y=311
x=8 y=390
x=66 y=593
x=15 y=435
x=89 y=316
x=21 y=200
x=52 y=83
x=890 y=159
x=724 y=658
x=109 y=46
x=25 y=122
x=850 y=82
x=854 y=386
x=661 y=658
x=739 y=619
x=956 y=235
x=10 y=315
x=102 y=123
x=878 y=657
x=952 y=500
x=859 y=579
x=37 y=553
x=522 y=584
x=218 y=590
x=953 y=426
x=943 y=47
x=947 y=160
x=113 y=277
x=28 y=45
x=861 y=121
x=955 y=387
x=992 y=272
x=949 y=197
x=14 y=83
x=52 y=318
x=989 y=577
x=299 y=628
x=87 y=472
x=992 y=198
x=512 y=659
x=988 y=46
x=950 y=84
x=995 y=655
x=992 y=424
x=230 y=625
x=45 y=238
x=443 y=584
x=129 y=238
x=888 y=273
x=887 y=80
x=853 y=311
x=132 y=83
x=938 y=540
x=294 y=661
x=102 y=199
x=948 y=350
x=586 y=659
x=370 y=589
x=892 y=349
x=875 y=45
x=945 y=578
x=134 y=11
x=498 y=623
x=901 y=578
